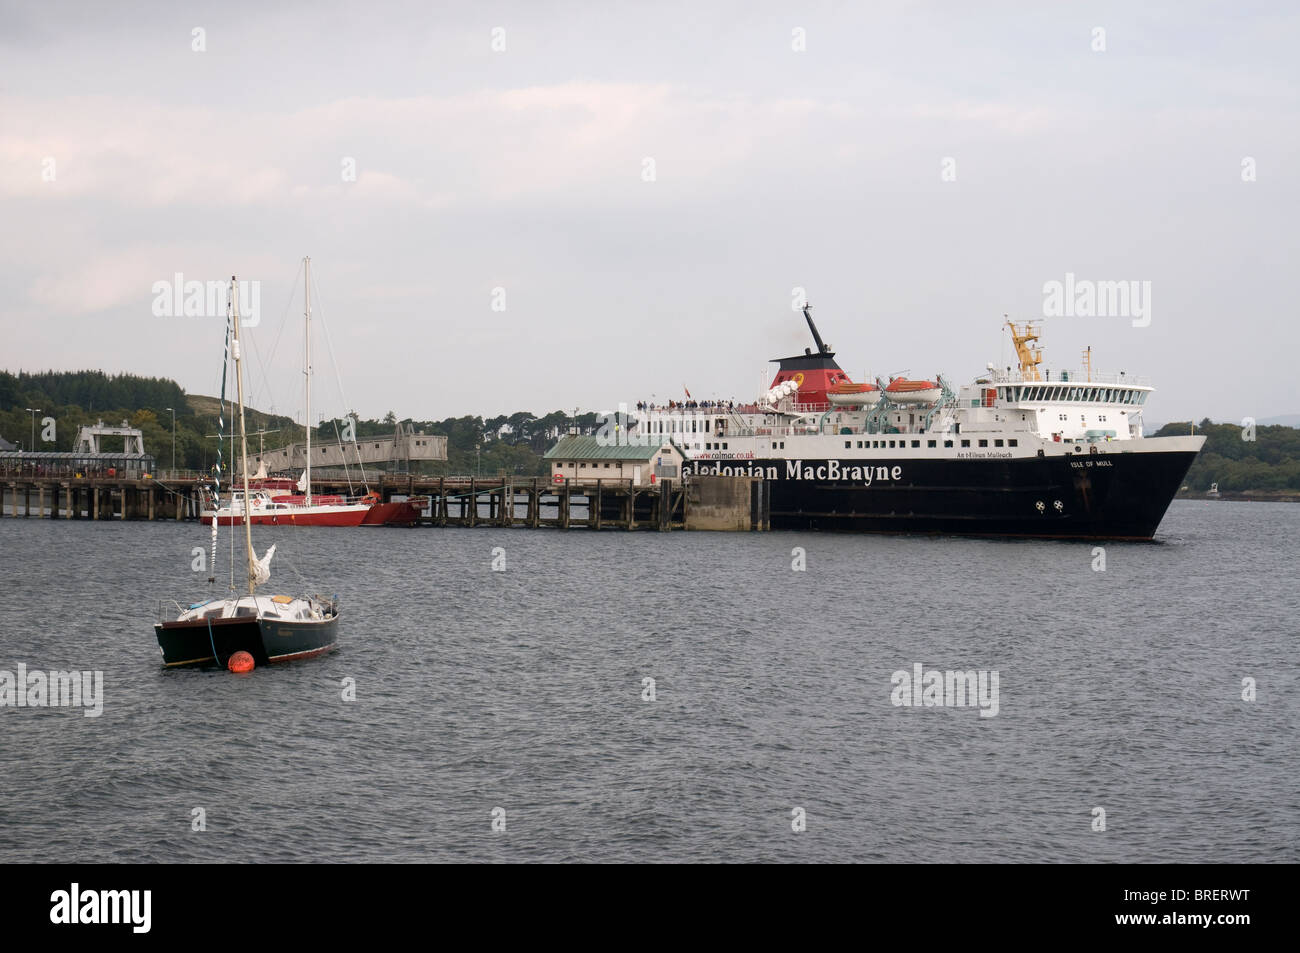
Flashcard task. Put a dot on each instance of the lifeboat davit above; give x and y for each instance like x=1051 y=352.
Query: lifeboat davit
x=903 y=391
x=854 y=395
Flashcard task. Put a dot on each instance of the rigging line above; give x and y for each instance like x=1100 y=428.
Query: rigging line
x=347 y=474
x=215 y=657
x=338 y=379
x=264 y=366
x=329 y=342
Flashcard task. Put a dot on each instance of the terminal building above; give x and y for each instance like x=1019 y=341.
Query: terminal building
x=88 y=458
x=589 y=459
x=398 y=451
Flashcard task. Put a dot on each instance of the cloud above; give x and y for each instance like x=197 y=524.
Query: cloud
x=530 y=142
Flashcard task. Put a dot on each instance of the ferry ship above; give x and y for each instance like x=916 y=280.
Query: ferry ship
x=1014 y=453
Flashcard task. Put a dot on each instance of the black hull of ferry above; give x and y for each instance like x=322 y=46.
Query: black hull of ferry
x=193 y=642
x=1105 y=496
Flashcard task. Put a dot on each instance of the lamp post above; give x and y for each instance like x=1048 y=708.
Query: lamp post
x=173 y=410
x=34 y=411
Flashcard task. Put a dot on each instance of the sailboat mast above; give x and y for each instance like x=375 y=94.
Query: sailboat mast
x=306 y=281
x=243 y=433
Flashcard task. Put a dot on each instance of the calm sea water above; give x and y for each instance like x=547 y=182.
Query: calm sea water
x=522 y=690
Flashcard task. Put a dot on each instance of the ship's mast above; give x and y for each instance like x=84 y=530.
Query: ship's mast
x=243 y=436
x=807 y=313
x=1029 y=357
x=306 y=281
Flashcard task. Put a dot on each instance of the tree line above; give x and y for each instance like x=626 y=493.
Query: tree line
x=1242 y=458
x=514 y=443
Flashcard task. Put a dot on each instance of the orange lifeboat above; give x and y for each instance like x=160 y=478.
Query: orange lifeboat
x=903 y=391
x=853 y=395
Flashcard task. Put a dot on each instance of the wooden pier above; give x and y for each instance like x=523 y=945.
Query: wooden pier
x=97 y=498
x=714 y=503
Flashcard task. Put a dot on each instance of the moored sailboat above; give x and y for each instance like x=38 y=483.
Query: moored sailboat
x=269 y=628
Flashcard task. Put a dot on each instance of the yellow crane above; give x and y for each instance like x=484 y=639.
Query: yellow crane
x=1029 y=357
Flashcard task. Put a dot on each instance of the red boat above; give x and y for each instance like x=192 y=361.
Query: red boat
x=265 y=509
x=400 y=513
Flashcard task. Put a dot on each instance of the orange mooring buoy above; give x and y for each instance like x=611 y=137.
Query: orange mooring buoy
x=240 y=662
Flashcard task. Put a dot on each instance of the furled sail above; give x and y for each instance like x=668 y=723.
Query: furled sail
x=262 y=567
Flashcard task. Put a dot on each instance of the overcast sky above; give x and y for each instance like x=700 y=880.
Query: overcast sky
x=775 y=168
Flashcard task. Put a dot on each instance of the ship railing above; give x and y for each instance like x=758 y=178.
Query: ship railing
x=1069 y=376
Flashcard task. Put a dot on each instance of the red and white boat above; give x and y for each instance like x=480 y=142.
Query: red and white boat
x=284 y=501
x=270 y=504
x=903 y=391
x=265 y=509
x=853 y=395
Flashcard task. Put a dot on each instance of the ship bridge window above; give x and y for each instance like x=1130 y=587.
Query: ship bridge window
x=965 y=443
x=848 y=444
x=1013 y=442
x=947 y=443
x=916 y=443
x=931 y=443
x=984 y=443
x=997 y=443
